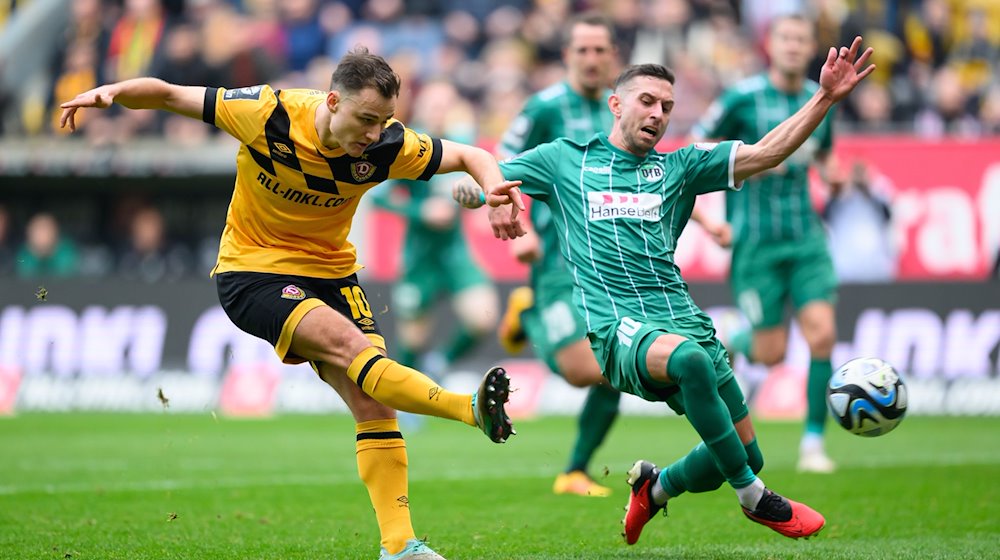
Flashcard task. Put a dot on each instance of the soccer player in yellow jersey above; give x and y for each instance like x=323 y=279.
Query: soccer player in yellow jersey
x=286 y=271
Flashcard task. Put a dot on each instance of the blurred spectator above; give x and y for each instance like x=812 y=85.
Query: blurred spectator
x=304 y=35
x=975 y=56
x=860 y=224
x=989 y=111
x=6 y=246
x=135 y=39
x=871 y=107
x=927 y=32
x=950 y=111
x=150 y=256
x=45 y=252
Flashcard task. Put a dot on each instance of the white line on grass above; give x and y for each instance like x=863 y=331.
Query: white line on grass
x=452 y=474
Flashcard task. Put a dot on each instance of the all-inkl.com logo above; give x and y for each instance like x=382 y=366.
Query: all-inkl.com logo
x=292 y=291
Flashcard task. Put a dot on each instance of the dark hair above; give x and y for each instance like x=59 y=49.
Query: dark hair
x=359 y=69
x=596 y=19
x=657 y=71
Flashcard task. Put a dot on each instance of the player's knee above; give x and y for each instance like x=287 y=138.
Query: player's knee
x=691 y=366
x=770 y=355
x=821 y=341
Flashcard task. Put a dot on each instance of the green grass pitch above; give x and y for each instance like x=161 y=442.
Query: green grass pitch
x=165 y=486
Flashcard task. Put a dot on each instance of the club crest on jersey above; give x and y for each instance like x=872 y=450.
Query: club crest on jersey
x=362 y=170
x=651 y=172
x=292 y=291
x=242 y=93
x=611 y=205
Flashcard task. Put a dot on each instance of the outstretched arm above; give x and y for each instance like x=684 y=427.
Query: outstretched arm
x=483 y=168
x=841 y=72
x=139 y=93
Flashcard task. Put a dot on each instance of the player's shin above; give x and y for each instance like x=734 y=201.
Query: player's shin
x=382 y=464
x=820 y=370
x=406 y=389
x=692 y=369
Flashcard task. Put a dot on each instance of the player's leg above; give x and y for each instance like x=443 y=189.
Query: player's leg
x=683 y=370
x=558 y=336
x=382 y=461
x=271 y=307
x=324 y=335
x=510 y=331
x=475 y=304
x=411 y=301
x=813 y=294
x=759 y=283
x=600 y=410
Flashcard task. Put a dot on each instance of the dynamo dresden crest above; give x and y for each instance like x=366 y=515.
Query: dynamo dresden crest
x=362 y=170
x=292 y=291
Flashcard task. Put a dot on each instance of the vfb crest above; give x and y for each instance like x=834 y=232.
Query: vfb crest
x=362 y=171
x=651 y=172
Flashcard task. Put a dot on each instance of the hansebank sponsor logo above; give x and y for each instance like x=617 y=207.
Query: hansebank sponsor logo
x=610 y=205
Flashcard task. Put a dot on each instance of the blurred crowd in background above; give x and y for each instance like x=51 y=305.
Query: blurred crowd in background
x=937 y=76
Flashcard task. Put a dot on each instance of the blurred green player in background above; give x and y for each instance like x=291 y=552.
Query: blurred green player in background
x=780 y=250
x=436 y=258
x=576 y=108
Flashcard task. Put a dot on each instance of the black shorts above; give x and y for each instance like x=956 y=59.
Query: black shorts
x=270 y=306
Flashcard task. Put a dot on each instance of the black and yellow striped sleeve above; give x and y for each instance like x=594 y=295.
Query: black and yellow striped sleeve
x=239 y=112
x=419 y=157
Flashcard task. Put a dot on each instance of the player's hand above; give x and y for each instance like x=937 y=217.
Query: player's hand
x=721 y=233
x=505 y=222
x=467 y=193
x=99 y=98
x=844 y=69
x=527 y=248
x=505 y=193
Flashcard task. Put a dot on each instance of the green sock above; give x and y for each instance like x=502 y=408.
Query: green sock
x=461 y=342
x=820 y=371
x=595 y=421
x=741 y=343
x=697 y=471
x=692 y=369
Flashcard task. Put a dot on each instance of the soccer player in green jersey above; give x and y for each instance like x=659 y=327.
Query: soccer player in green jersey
x=436 y=258
x=576 y=109
x=619 y=207
x=779 y=244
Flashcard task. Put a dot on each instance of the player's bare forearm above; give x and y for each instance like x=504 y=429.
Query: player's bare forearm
x=783 y=140
x=483 y=168
x=138 y=93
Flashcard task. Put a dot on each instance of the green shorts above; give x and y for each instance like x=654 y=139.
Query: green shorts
x=765 y=276
x=621 y=350
x=553 y=322
x=450 y=270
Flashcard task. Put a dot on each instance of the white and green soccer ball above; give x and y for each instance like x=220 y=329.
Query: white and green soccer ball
x=867 y=397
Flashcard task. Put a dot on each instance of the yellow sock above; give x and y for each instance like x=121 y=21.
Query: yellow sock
x=382 y=466
x=407 y=389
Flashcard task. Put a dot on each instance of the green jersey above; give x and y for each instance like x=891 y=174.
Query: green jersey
x=555 y=112
x=775 y=206
x=406 y=199
x=618 y=217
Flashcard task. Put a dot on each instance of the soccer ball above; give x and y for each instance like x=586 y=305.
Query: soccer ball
x=867 y=397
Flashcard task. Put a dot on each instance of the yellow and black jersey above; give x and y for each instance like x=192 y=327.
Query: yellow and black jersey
x=294 y=199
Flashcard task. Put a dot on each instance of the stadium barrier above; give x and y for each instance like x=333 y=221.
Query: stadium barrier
x=114 y=345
